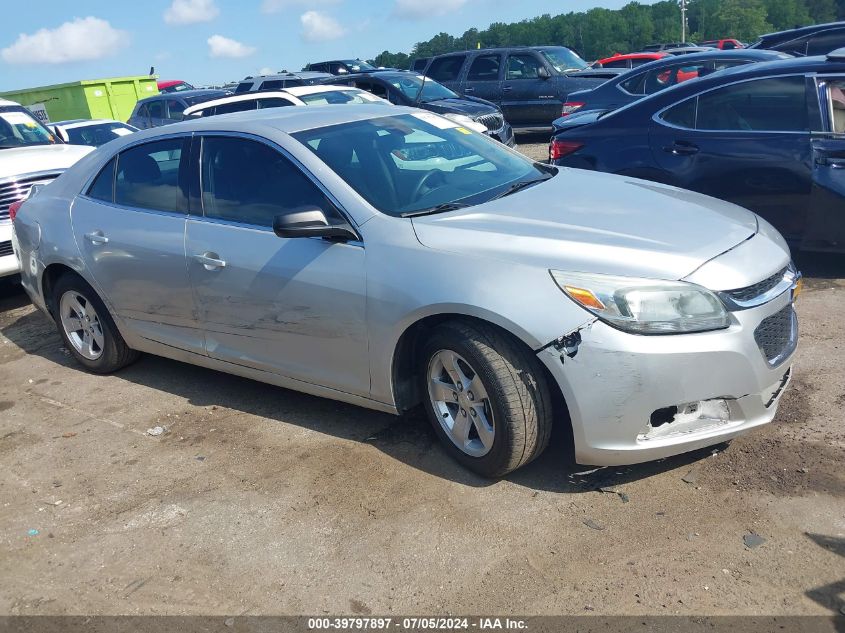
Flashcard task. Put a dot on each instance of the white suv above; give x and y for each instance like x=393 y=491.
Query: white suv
x=30 y=154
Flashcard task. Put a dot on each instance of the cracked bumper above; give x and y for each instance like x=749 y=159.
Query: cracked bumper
x=616 y=381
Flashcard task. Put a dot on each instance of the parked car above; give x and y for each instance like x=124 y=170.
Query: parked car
x=168 y=108
x=502 y=294
x=529 y=84
x=662 y=47
x=298 y=96
x=280 y=81
x=401 y=87
x=174 y=85
x=818 y=39
x=30 y=154
x=767 y=136
x=727 y=44
x=630 y=60
x=341 y=67
x=93 y=132
x=656 y=76
x=687 y=50
x=419 y=64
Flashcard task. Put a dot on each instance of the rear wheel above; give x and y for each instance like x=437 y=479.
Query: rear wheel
x=87 y=328
x=486 y=396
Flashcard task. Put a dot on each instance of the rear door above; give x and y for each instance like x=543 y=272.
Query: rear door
x=826 y=219
x=747 y=143
x=484 y=77
x=527 y=98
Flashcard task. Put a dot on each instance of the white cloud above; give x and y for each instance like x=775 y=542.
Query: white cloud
x=191 y=11
x=266 y=70
x=318 y=26
x=79 y=40
x=219 y=46
x=421 y=9
x=276 y=6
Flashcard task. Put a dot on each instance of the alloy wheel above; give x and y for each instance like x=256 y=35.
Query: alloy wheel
x=81 y=325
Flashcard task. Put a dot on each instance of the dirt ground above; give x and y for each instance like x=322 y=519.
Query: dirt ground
x=258 y=500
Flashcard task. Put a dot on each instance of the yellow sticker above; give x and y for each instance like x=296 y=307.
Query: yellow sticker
x=463 y=130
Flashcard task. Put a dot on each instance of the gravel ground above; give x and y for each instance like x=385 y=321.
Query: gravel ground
x=259 y=500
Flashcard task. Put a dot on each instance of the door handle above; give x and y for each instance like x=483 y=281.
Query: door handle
x=681 y=148
x=96 y=237
x=210 y=261
x=834 y=162
x=507 y=88
x=466 y=90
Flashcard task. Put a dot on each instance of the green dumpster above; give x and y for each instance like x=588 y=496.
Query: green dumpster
x=88 y=99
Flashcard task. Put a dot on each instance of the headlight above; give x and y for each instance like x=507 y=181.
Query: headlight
x=464 y=120
x=645 y=306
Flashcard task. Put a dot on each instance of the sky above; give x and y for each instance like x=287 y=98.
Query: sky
x=216 y=41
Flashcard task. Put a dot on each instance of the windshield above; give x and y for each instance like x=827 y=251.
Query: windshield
x=415 y=163
x=96 y=135
x=563 y=59
x=356 y=65
x=342 y=96
x=409 y=85
x=18 y=128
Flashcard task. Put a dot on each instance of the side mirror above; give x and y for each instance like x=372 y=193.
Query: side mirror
x=60 y=133
x=311 y=222
x=543 y=72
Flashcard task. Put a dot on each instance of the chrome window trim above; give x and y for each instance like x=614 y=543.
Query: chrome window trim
x=284 y=152
x=656 y=117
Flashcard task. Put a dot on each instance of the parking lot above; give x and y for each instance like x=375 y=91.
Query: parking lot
x=256 y=499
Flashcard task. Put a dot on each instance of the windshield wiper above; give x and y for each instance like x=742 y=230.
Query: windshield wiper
x=440 y=208
x=522 y=184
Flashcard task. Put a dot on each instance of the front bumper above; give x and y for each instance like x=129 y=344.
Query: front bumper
x=8 y=260
x=504 y=135
x=616 y=384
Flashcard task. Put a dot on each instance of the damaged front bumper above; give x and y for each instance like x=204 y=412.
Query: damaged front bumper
x=635 y=398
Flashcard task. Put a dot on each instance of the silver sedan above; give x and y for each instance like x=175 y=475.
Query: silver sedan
x=391 y=258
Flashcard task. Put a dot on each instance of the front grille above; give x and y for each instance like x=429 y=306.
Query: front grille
x=493 y=122
x=762 y=287
x=6 y=248
x=18 y=189
x=777 y=335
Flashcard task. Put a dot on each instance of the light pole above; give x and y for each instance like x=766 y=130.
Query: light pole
x=683 y=21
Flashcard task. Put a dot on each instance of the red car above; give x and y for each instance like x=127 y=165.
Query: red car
x=631 y=60
x=725 y=45
x=173 y=85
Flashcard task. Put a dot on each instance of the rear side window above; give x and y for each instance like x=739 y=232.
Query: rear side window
x=148 y=176
x=446 y=68
x=103 y=186
x=635 y=85
x=243 y=87
x=682 y=114
x=523 y=67
x=248 y=182
x=772 y=105
x=419 y=65
x=658 y=79
x=619 y=63
x=237 y=106
x=273 y=102
x=272 y=84
x=484 y=68
x=825 y=42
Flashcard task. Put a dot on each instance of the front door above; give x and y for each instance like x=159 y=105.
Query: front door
x=130 y=228
x=484 y=78
x=292 y=306
x=528 y=98
x=747 y=143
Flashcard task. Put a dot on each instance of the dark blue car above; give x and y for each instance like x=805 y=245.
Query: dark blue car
x=768 y=136
x=659 y=75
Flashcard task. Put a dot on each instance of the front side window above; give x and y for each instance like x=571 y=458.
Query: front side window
x=156 y=109
x=412 y=163
x=148 y=176
x=618 y=63
x=563 y=59
x=484 y=68
x=251 y=183
x=523 y=67
x=776 y=104
x=369 y=86
x=97 y=134
x=244 y=86
x=836 y=105
x=175 y=109
x=446 y=68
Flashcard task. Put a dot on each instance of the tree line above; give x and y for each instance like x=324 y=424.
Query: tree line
x=600 y=32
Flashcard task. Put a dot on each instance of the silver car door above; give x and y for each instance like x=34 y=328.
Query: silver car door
x=130 y=228
x=295 y=307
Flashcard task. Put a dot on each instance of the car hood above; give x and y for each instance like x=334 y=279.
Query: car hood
x=469 y=107
x=17 y=161
x=592 y=222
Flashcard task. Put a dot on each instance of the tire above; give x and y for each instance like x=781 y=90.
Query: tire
x=514 y=401
x=97 y=345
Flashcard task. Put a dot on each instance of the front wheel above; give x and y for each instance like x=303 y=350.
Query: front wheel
x=486 y=396
x=86 y=327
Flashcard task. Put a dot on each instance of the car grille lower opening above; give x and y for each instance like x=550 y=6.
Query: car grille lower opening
x=17 y=189
x=776 y=335
x=492 y=122
x=6 y=248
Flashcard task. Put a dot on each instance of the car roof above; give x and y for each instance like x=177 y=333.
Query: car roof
x=640 y=55
x=298 y=91
x=244 y=96
x=75 y=123
x=713 y=54
x=202 y=92
x=802 y=30
x=303 y=74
